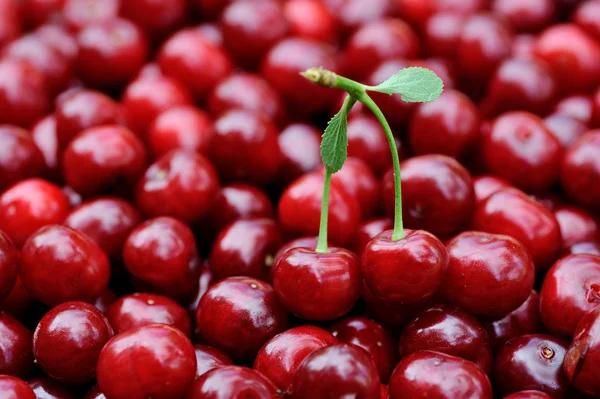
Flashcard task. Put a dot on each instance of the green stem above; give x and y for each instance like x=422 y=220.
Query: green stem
x=398 y=232
x=322 y=242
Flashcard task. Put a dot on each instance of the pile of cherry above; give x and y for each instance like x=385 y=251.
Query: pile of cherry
x=161 y=185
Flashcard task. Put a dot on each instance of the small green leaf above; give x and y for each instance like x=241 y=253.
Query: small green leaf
x=414 y=84
x=334 y=146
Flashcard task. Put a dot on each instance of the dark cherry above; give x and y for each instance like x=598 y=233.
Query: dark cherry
x=511 y=212
x=95 y=393
x=440 y=376
x=582 y=355
x=369 y=230
x=247 y=91
x=406 y=271
x=529 y=394
x=9 y=259
x=180 y=184
x=233 y=382
x=581 y=170
x=45 y=138
x=208 y=358
x=437 y=194
x=104 y=300
x=442 y=33
x=565 y=128
x=47 y=388
x=15 y=388
x=351 y=14
x=309 y=242
x=448 y=330
x=195 y=61
x=205 y=281
x=239 y=201
x=486 y=185
x=211 y=9
x=578 y=106
x=367 y=141
x=158 y=18
x=299 y=209
x=131 y=361
x=587 y=15
x=523 y=320
x=357 y=179
x=570 y=289
x=253 y=316
x=373 y=338
x=15 y=346
x=139 y=309
x=532 y=362
x=576 y=225
x=526 y=16
x=80 y=13
x=19 y=301
x=108 y=221
x=311 y=20
x=20 y=157
x=162 y=253
x=336 y=371
x=300 y=146
x=317 y=286
x=68 y=341
x=244 y=146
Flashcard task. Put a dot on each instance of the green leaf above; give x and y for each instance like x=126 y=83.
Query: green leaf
x=334 y=146
x=414 y=84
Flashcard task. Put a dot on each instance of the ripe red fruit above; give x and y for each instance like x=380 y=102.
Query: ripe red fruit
x=576 y=226
x=9 y=258
x=368 y=230
x=300 y=146
x=310 y=19
x=486 y=185
x=583 y=354
x=357 y=179
x=233 y=382
x=157 y=18
x=239 y=201
x=526 y=16
x=15 y=345
x=20 y=157
x=44 y=136
x=367 y=141
x=587 y=16
x=565 y=128
x=15 y=388
x=78 y=14
x=580 y=170
x=44 y=387
x=208 y=358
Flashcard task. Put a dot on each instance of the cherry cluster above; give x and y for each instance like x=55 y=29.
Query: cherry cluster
x=161 y=193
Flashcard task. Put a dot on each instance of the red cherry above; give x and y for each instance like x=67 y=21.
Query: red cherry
x=439 y=375
x=44 y=136
x=442 y=33
x=576 y=226
x=351 y=14
x=18 y=301
x=58 y=38
x=510 y=212
x=405 y=271
x=367 y=141
x=526 y=16
x=233 y=382
x=253 y=315
x=15 y=346
x=81 y=13
x=158 y=18
x=578 y=106
x=95 y=393
x=596 y=109
x=211 y=9
x=205 y=281
x=581 y=170
x=9 y=258
x=20 y=158
x=300 y=146
x=131 y=361
x=14 y=388
x=104 y=300
x=68 y=341
x=310 y=19
x=486 y=185
x=178 y=184
x=590 y=247
x=336 y=371
x=162 y=252
x=49 y=389
x=418 y=11
x=10 y=22
x=208 y=358
x=566 y=129
x=532 y=362
x=239 y=201
x=29 y=205
x=587 y=15
x=317 y=286
x=309 y=242
x=583 y=354
x=529 y=394
x=369 y=230
x=280 y=357
x=524 y=46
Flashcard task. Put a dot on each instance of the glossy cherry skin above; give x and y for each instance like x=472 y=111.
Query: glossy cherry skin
x=336 y=371
x=373 y=338
x=9 y=259
x=158 y=18
x=281 y=67
x=565 y=128
x=244 y=146
x=529 y=394
x=586 y=16
x=570 y=289
x=15 y=346
x=246 y=91
x=196 y=62
x=448 y=126
x=10 y=21
x=299 y=209
x=162 y=252
x=437 y=194
x=419 y=12
x=523 y=320
x=79 y=14
x=367 y=141
x=208 y=358
x=300 y=146
x=139 y=309
x=369 y=230
x=357 y=179
x=532 y=362
x=239 y=201
x=310 y=19
x=570 y=52
x=15 y=388
x=46 y=140
x=528 y=16
x=576 y=225
x=581 y=169
x=405 y=271
x=486 y=185
x=596 y=109
x=20 y=158
x=233 y=382
x=440 y=376
x=104 y=300
x=59 y=264
x=48 y=388
x=583 y=353
x=510 y=212
x=68 y=341
x=130 y=361
x=590 y=247
x=18 y=301
x=448 y=330
x=178 y=184
x=442 y=33
x=488 y=275
x=185 y=127
x=309 y=242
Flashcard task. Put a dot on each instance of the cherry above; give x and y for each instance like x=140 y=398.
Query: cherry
x=529 y=394
x=310 y=19
x=590 y=247
x=527 y=16
x=570 y=289
x=440 y=375
x=211 y=8
x=198 y=63
x=68 y=341
x=449 y=126
x=586 y=16
x=367 y=141
x=44 y=136
x=95 y=393
x=437 y=194
x=300 y=206
x=20 y=158
x=576 y=226
x=581 y=170
x=283 y=63
x=573 y=56
x=369 y=230
x=15 y=388
x=46 y=388
x=280 y=357
x=247 y=91
x=208 y=358
x=442 y=33
x=104 y=300
x=179 y=184
x=524 y=46
x=60 y=39
x=300 y=147
x=244 y=146
x=510 y=212
x=239 y=201
x=336 y=371
x=162 y=253
x=78 y=14
x=10 y=22
x=596 y=109
x=158 y=18
x=250 y=29
x=373 y=338
x=486 y=185
x=18 y=301
x=582 y=354
x=233 y=382
x=523 y=320
x=351 y=14
x=300 y=242
x=29 y=205
x=448 y=330
x=204 y=282
x=9 y=258
x=253 y=316
x=419 y=12
x=578 y=106
x=532 y=362
x=130 y=362
x=15 y=346
x=565 y=128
